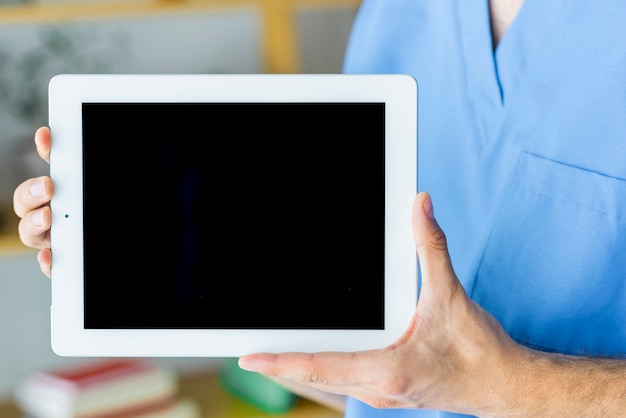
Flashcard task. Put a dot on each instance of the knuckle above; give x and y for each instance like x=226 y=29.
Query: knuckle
x=439 y=240
x=313 y=373
x=397 y=382
x=397 y=387
x=30 y=238
x=18 y=207
x=25 y=237
x=314 y=376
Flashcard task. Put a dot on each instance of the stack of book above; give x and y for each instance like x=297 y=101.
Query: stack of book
x=107 y=388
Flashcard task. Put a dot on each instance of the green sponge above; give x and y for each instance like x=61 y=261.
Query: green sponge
x=256 y=389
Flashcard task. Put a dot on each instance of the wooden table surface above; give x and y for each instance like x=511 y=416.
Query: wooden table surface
x=214 y=401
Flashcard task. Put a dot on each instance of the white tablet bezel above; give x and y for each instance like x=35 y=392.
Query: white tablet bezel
x=67 y=93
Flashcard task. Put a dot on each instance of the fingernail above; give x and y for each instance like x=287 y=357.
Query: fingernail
x=37 y=189
x=244 y=364
x=428 y=208
x=37 y=218
x=249 y=364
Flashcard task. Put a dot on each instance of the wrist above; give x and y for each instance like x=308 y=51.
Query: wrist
x=507 y=383
x=496 y=370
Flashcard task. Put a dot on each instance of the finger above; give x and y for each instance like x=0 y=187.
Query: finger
x=320 y=369
x=43 y=143
x=44 y=257
x=346 y=374
x=34 y=228
x=432 y=249
x=32 y=194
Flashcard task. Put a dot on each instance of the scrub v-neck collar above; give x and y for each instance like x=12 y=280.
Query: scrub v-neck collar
x=491 y=77
x=492 y=74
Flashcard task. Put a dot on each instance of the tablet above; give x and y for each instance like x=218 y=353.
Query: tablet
x=221 y=215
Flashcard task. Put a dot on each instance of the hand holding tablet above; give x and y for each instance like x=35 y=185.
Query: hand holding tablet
x=219 y=215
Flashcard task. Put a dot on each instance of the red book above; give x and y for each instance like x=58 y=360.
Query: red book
x=101 y=389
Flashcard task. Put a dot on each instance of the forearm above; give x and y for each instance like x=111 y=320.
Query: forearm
x=553 y=385
x=578 y=386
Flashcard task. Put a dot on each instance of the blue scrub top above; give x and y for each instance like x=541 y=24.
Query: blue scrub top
x=524 y=154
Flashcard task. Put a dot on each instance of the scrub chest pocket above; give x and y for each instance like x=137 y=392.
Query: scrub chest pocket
x=554 y=268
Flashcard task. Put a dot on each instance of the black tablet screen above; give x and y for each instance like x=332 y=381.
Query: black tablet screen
x=234 y=215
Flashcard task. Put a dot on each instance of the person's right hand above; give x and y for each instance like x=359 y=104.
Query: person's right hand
x=31 y=203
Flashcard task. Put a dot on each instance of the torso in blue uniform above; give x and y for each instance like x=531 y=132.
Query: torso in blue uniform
x=524 y=153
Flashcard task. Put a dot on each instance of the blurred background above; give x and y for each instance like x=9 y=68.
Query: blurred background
x=41 y=38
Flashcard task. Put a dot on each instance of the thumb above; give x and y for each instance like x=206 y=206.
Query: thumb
x=432 y=250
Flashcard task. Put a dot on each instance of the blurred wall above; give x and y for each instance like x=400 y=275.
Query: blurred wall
x=225 y=42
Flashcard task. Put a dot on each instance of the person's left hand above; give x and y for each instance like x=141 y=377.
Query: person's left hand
x=454 y=356
x=31 y=203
